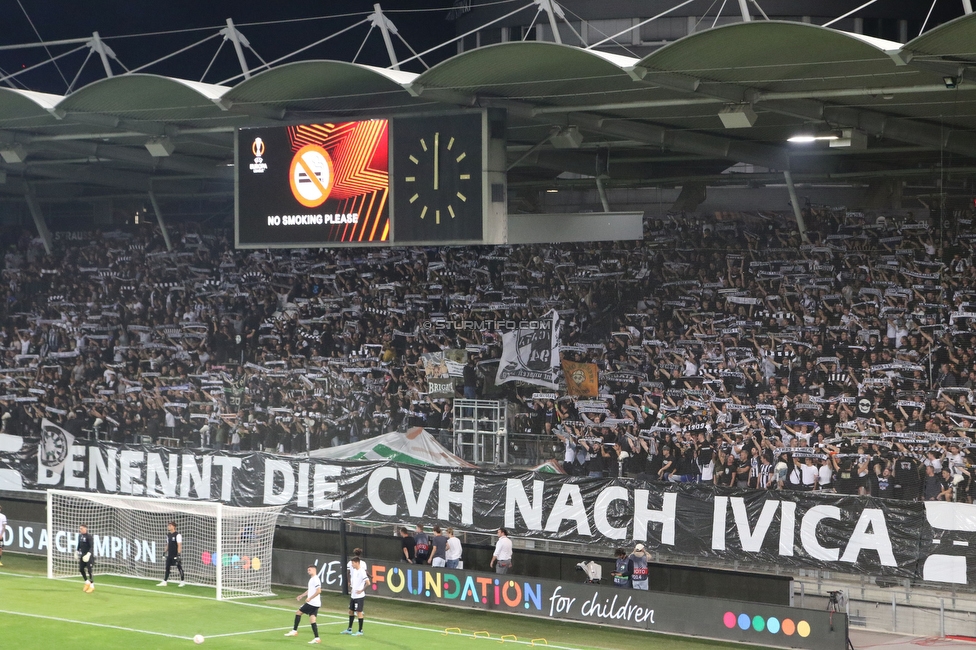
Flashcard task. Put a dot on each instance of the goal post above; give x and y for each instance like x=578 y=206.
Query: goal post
x=225 y=547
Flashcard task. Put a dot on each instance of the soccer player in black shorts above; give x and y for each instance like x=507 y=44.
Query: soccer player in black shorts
x=358 y=581
x=86 y=558
x=313 y=600
x=174 y=553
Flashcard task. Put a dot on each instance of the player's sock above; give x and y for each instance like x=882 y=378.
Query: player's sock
x=298 y=619
x=360 y=625
x=315 y=630
x=351 y=619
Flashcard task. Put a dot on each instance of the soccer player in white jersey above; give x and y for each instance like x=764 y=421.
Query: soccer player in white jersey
x=313 y=600
x=356 y=552
x=358 y=581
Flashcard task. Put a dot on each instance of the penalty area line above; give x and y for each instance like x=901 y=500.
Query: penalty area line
x=270 y=629
x=164 y=592
x=92 y=624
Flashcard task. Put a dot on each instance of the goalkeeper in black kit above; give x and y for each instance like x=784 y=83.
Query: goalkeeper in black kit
x=174 y=550
x=86 y=558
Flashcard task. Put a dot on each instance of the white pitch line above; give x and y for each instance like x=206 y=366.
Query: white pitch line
x=153 y=591
x=113 y=627
x=270 y=629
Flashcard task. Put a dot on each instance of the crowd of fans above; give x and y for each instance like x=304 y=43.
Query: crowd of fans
x=729 y=350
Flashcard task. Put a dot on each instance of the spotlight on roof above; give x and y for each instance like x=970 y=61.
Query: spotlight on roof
x=950 y=82
x=851 y=138
x=805 y=138
x=160 y=147
x=567 y=138
x=13 y=153
x=737 y=116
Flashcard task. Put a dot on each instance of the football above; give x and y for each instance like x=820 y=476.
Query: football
x=198 y=639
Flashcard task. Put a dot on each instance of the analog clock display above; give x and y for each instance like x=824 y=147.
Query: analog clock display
x=438 y=179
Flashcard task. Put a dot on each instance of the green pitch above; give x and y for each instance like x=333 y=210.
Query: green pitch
x=125 y=613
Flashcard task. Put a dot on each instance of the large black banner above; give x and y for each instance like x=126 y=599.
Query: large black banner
x=787 y=529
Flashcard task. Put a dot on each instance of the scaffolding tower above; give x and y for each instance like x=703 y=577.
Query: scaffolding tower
x=480 y=431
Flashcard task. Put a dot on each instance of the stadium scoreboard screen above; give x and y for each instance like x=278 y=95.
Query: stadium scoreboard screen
x=313 y=184
x=416 y=180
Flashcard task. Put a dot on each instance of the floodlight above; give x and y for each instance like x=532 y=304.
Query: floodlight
x=160 y=147
x=13 y=153
x=737 y=116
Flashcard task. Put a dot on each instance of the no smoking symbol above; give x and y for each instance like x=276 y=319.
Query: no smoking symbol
x=310 y=175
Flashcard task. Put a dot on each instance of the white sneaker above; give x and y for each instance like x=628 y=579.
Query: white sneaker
x=315 y=640
x=292 y=633
x=161 y=584
x=182 y=584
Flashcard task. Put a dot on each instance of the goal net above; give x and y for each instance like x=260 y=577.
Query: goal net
x=223 y=546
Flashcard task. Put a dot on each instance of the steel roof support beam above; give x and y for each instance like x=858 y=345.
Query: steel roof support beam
x=879 y=124
x=230 y=33
x=552 y=10
x=871 y=122
x=795 y=202
x=744 y=9
x=698 y=143
x=92 y=175
x=159 y=217
x=140 y=156
x=104 y=52
x=386 y=27
x=35 y=210
x=602 y=191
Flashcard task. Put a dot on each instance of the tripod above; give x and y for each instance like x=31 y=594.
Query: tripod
x=833 y=606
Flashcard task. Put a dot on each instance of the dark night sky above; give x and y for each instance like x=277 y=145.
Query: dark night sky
x=62 y=20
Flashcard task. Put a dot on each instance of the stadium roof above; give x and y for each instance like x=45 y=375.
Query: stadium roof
x=645 y=122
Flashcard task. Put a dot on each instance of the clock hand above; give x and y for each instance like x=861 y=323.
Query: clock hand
x=436 y=148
